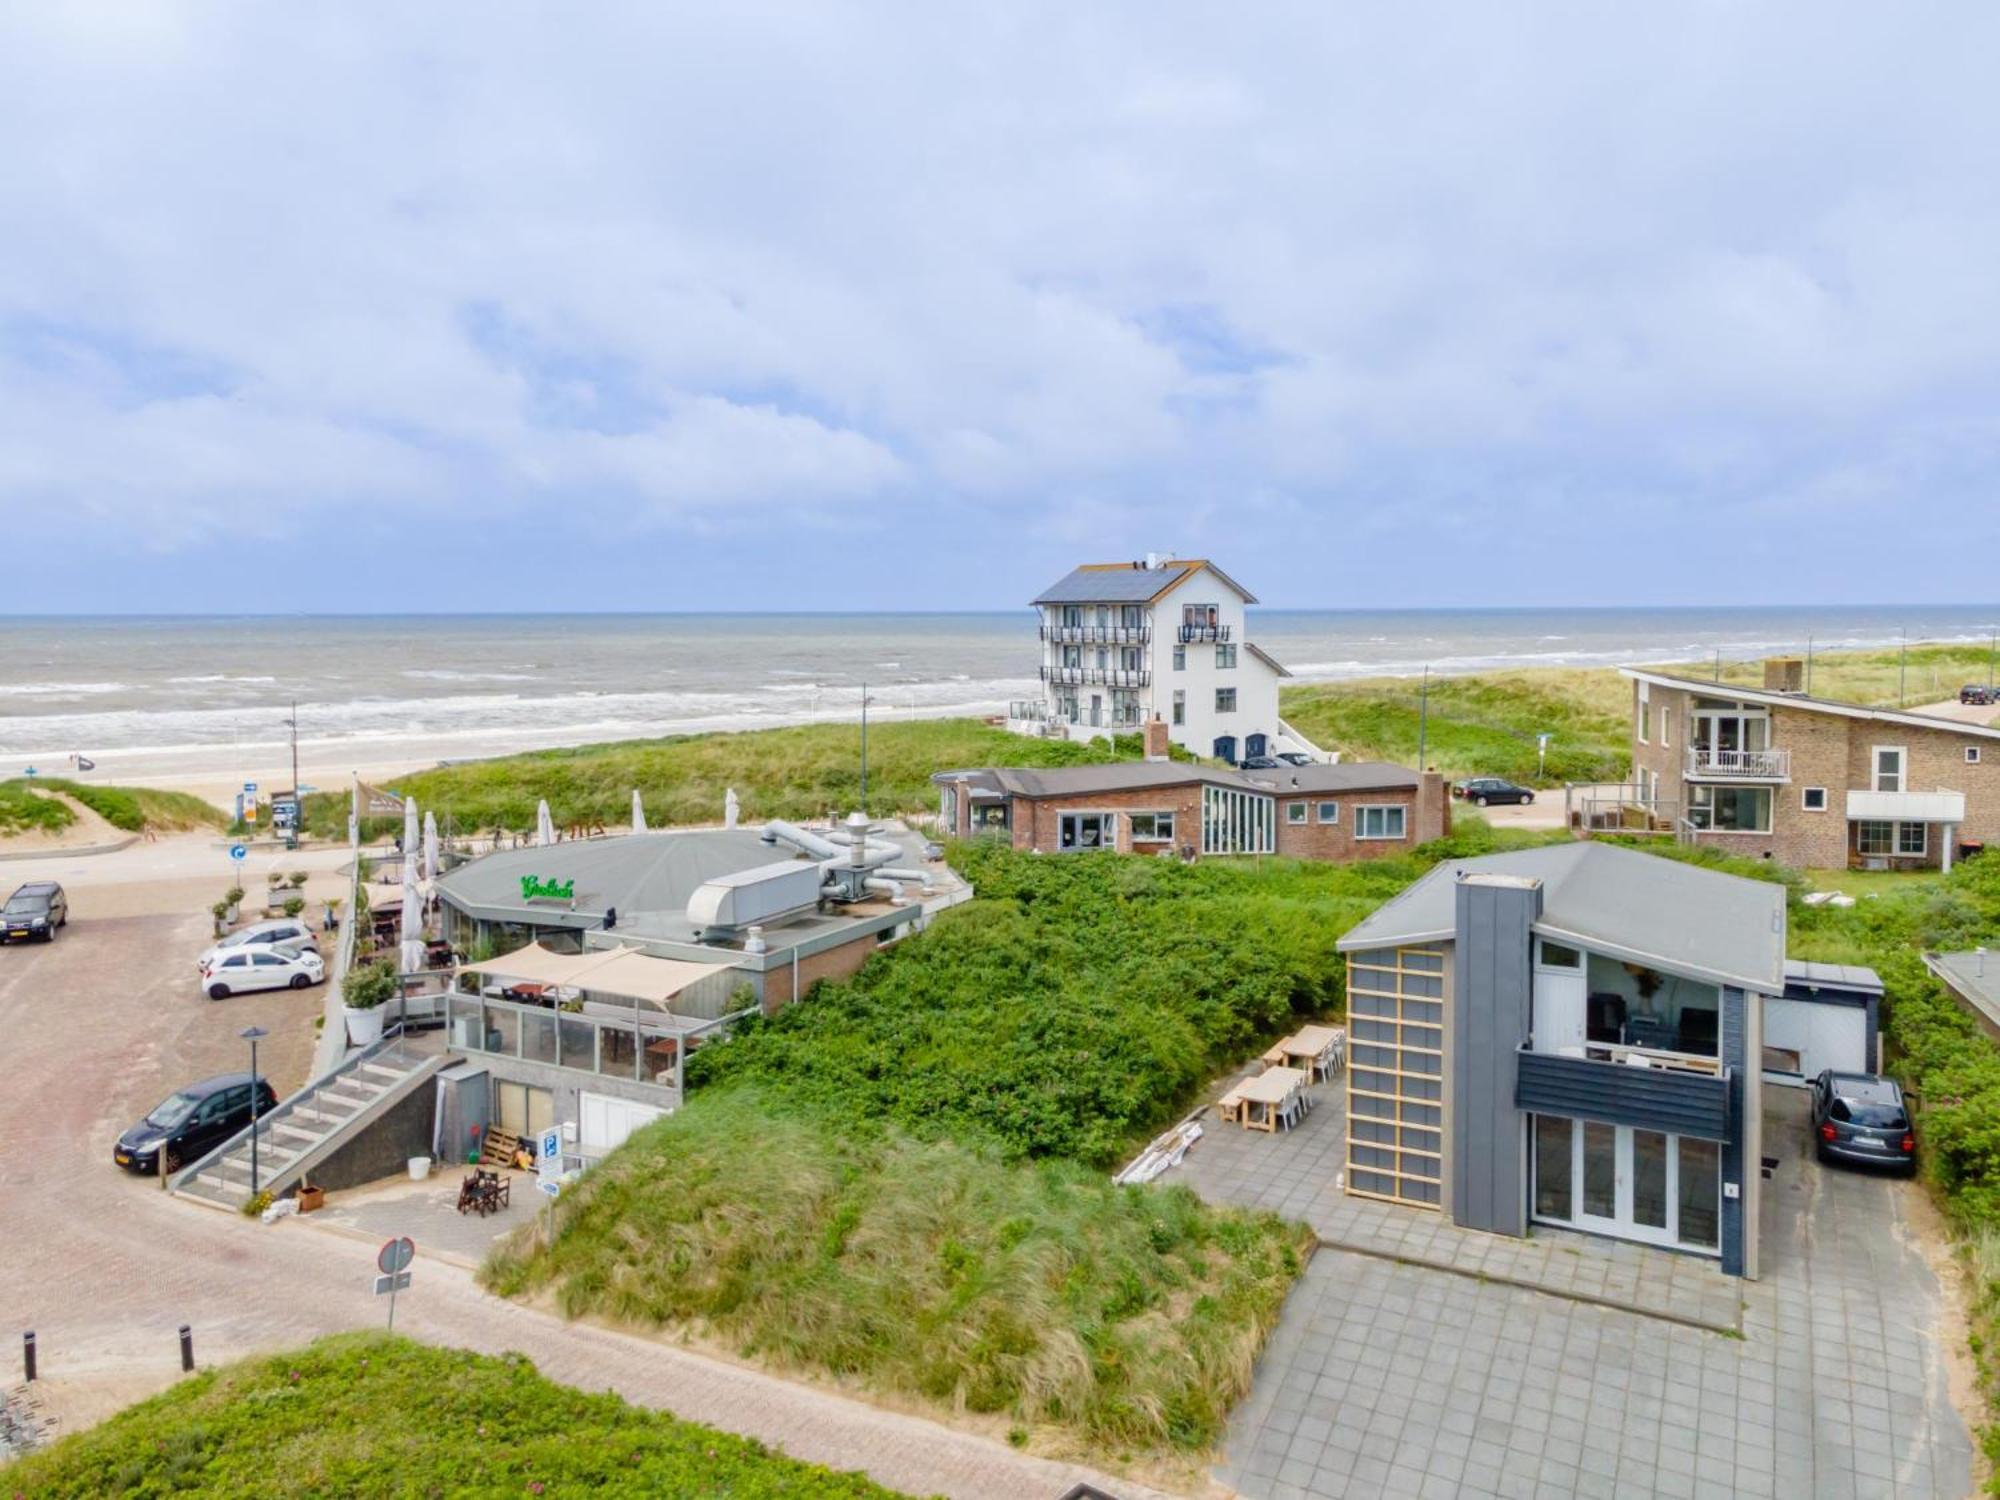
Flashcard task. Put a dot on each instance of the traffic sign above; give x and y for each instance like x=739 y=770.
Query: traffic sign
x=385 y=1285
x=249 y=786
x=549 y=1149
x=396 y=1255
x=238 y=853
x=550 y=1185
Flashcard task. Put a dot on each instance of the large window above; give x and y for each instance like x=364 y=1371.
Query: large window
x=1905 y=840
x=1225 y=700
x=1234 y=822
x=1380 y=822
x=1132 y=616
x=1730 y=809
x=1552 y=1167
x=1225 y=656
x=1889 y=768
x=1180 y=706
x=1087 y=831
x=1395 y=1080
x=1152 y=827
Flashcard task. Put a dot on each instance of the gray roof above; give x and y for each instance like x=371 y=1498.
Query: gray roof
x=1803 y=974
x=1140 y=775
x=1113 y=584
x=1743 y=693
x=1621 y=902
x=1975 y=975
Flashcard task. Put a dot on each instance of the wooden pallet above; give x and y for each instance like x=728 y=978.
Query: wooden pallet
x=499 y=1148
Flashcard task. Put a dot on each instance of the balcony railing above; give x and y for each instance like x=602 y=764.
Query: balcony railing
x=1204 y=633
x=1098 y=635
x=1679 y=1093
x=1033 y=709
x=1117 y=677
x=1706 y=762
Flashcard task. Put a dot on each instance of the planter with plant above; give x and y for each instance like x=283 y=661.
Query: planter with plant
x=294 y=905
x=296 y=879
x=221 y=911
x=363 y=993
x=233 y=899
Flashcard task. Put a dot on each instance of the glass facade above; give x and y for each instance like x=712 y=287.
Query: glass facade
x=1234 y=822
x=1395 y=1080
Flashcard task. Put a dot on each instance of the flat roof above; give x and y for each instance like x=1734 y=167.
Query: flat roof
x=1974 y=975
x=1740 y=693
x=1804 y=974
x=1644 y=908
x=1144 y=775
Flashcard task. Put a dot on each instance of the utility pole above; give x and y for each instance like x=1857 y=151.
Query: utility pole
x=1902 y=660
x=1991 y=652
x=864 y=747
x=1809 y=657
x=1718 y=664
x=1424 y=717
x=253 y=1035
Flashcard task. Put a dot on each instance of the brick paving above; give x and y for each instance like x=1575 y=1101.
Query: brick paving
x=1386 y=1378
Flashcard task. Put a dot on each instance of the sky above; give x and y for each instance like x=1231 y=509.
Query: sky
x=660 y=307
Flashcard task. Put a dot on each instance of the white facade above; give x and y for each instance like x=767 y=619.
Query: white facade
x=1179 y=651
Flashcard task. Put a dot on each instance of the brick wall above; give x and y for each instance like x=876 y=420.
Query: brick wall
x=829 y=963
x=1427 y=816
x=1037 y=822
x=1818 y=746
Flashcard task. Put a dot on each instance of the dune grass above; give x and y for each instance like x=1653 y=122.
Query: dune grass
x=367 y=1415
x=24 y=809
x=798 y=772
x=1129 y=1317
x=1928 y=673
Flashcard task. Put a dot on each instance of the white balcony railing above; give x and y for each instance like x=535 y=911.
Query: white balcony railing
x=1706 y=762
x=1098 y=635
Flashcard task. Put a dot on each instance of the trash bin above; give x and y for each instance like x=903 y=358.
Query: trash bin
x=420 y=1168
x=1969 y=847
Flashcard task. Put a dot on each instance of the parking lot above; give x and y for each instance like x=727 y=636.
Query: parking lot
x=1397 y=1370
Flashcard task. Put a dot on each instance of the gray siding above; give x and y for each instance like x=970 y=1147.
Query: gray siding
x=1490 y=1018
x=1649 y=1098
x=1746 y=1074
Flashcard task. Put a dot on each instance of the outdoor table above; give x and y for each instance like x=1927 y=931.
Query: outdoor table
x=1271 y=1089
x=1311 y=1045
x=1230 y=1105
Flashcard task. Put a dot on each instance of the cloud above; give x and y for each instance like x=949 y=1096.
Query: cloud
x=1035 y=279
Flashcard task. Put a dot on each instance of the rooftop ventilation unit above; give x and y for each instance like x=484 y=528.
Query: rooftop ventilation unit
x=726 y=905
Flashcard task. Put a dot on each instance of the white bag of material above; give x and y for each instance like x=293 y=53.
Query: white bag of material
x=284 y=1208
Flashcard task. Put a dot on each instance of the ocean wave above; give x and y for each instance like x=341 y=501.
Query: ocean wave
x=60 y=689
x=450 y=674
x=206 y=677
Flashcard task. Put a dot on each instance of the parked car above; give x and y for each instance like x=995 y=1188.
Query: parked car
x=1258 y=763
x=191 y=1122
x=1860 y=1117
x=1482 y=790
x=1978 y=692
x=1295 y=757
x=290 y=930
x=270 y=967
x=36 y=910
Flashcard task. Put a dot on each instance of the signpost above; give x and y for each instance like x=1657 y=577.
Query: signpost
x=1541 y=755
x=393 y=1259
x=548 y=1171
x=238 y=853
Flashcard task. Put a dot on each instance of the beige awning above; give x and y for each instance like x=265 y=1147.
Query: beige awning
x=626 y=972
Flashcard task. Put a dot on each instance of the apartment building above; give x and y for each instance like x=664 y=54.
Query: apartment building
x=1351 y=810
x=1811 y=782
x=1568 y=1036
x=1122 y=643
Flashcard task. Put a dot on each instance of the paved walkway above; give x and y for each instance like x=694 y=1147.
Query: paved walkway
x=1387 y=1378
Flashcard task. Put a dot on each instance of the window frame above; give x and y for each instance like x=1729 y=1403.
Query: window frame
x=1225 y=656
x=1806 y=794
x=1902 y=754
x=1645 y=714
x=1972 y=757
x=1320 y=817
x=1180 y=658
x=1362 y=820
x=1180 y=706
x=1153 y=835
x=1107 y=830
x=1295 y=814
x=1220 y=694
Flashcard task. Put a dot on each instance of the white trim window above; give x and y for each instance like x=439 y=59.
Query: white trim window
x=1328 y=812
x=1812 y=799
x=1666 y=724
x=1077 y=832
x=1643 y=717
x=1225 y=657
x=1972 y=755
x=1152 y=827
x=1882 y=839
x=1180 y=658
x=1891 y=765
x=1729 y=809
x=1225 y=700
x=1295 y=814
x=1381 y=821
x=1180 y=705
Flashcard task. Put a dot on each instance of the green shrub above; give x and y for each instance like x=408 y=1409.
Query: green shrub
x=24 y=809
x=364 y=1414
x=369 y=985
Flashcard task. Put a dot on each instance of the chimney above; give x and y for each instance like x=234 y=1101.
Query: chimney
x=1784 y=674
x=1157 y=738
x=1152 y=561
x=1433 y=810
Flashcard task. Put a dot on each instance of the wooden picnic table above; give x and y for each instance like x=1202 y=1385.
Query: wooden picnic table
x=1270 y=1088
x=1307 y=1045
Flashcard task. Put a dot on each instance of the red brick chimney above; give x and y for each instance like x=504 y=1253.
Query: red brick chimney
x=1433 y=807
x=1157 y=738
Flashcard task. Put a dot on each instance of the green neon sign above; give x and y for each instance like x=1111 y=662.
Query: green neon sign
x=534 y=888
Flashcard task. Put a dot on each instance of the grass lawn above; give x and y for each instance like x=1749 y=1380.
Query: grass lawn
x=369 y=1415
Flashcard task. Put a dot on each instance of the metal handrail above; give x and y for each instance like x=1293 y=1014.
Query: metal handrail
x=1616 y=1054
x=1704 y=760
x=288 y=1106
x=1098 y=676
x=1204 y=633
x=1097 y=635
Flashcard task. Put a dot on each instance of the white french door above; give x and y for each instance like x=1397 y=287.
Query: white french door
x=1629 y=1183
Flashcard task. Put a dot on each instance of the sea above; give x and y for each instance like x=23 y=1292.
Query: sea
x=206 y=694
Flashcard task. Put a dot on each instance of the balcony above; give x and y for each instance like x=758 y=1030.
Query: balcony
x=1710 y=763
x=1652 y=1089
x=1204 y=633
x=1906 y=807
x=1098 y=635
x=1115 y=677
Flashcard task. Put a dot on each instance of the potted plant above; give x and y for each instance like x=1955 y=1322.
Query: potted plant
x=220 y=911
x=233 y=899
x=294 y=905
x=363 y=993
x=296 y=879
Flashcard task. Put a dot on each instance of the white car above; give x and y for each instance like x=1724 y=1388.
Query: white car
x=243 y=968
x=291 y=931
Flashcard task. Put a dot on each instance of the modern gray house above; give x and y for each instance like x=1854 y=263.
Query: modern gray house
x=1571 y=1036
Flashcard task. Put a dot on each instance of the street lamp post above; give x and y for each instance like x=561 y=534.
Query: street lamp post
x=253 y=1035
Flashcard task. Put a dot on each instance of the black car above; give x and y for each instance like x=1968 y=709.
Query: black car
x=36 y=910
x=1258 y=763
x=191 y=1123
x=1481 y=790
x=1977 y=693
x=1860 y=1118
x=1295 y=757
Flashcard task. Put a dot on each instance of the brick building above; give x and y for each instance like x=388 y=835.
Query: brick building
x=1158 y=806
x=1770 y=772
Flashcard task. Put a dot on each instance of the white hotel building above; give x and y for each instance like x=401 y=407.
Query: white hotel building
x=1125 y=642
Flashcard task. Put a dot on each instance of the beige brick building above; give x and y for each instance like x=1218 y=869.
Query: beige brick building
x=1156 y=806
x=1769 y=772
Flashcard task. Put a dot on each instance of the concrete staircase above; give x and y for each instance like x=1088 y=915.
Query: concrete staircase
x=311 y=1125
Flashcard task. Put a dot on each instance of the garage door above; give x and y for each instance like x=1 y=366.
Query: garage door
x=1803 y=1038
x=607 y=1121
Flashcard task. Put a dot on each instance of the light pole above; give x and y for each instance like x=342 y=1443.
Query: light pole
x=298 y=798
x=1424 y=718
x=253 y=1035
x=865 y=701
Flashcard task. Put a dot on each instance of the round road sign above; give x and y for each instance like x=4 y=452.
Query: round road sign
x=238 y=853
x=396 y=1255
